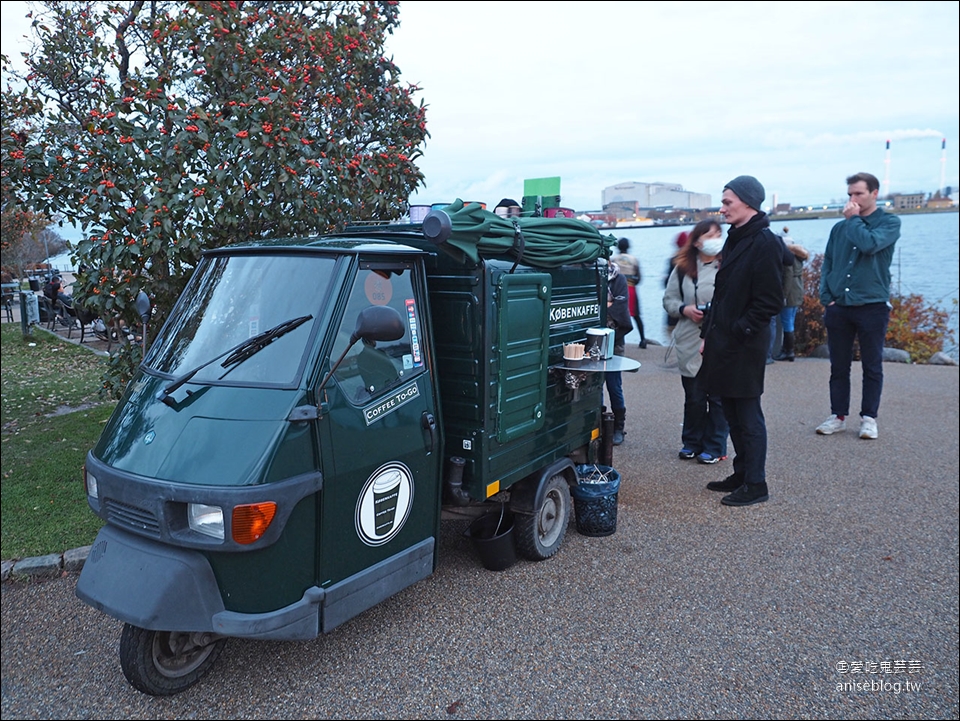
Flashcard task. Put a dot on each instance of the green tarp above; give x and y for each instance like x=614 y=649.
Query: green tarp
x=540 y=242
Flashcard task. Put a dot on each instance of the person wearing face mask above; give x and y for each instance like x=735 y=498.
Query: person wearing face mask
x=747 y=292
x=687 y=296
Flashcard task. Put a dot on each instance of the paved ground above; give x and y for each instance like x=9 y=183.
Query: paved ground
x=848 y=575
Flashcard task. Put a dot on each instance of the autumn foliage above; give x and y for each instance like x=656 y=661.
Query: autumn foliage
x=169 y=128
x=915 y=326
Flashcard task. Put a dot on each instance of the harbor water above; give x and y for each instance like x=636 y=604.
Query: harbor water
x=926 y=263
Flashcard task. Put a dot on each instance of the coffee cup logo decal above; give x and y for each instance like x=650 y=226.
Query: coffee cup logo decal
x=386 y=493
x=384 y=503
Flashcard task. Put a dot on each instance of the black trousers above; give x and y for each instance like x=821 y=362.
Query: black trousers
x=748 y=431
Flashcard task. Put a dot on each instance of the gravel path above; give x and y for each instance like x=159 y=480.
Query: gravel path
x=690 y=610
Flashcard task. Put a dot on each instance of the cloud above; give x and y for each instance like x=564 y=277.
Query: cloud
x=799 y=94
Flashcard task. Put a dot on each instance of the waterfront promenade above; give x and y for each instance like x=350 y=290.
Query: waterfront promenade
x=822 y=603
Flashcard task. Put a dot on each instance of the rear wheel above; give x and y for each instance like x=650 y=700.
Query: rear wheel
x=539 y=535
x=163 y=663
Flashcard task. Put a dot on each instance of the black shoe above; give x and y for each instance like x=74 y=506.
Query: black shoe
x=617 y=436
x=686 y=454
x=730 y=483
x=784 y=357
x=643 y=344
x=747 y=495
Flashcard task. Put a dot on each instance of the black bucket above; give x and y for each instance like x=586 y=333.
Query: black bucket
x=492 y=536
x=595 y=503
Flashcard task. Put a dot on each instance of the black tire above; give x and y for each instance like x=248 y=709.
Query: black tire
x=163 y=663
x=538 y=536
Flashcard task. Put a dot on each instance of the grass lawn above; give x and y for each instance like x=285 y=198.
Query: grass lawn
x=51 y=414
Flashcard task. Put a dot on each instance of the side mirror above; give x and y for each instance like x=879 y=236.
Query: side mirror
x=375 y=322
x=143 y=309
x=378 y=322
x=143 y=306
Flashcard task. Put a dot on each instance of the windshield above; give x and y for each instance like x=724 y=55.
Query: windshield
x=234 y=298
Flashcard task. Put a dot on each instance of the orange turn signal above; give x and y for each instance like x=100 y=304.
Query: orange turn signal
x=251 y=521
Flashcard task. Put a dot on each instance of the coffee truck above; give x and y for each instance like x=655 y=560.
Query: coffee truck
x=282 y=459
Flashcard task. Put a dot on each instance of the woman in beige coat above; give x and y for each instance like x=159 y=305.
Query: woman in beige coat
x=688 y=292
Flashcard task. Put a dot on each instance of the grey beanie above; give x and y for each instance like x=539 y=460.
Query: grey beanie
x=748 y=189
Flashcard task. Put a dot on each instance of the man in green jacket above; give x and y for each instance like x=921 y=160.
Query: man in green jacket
x=855 y=293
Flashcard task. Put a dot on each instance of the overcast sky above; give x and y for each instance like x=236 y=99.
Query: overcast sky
x=799 y=95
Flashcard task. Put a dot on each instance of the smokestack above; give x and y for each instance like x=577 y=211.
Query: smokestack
x=886 y=173
x=943 y=166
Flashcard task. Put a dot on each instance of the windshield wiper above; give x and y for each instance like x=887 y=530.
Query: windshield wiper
x=239 y=353
x=259 y=342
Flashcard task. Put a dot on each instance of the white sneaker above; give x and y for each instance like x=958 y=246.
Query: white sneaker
x=868 y=427
x=831 y=425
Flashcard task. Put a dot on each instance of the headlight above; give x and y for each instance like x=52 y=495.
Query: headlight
x=90 y=481
x=205 y=519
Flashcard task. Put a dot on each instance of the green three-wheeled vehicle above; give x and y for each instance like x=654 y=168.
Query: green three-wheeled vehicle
x=281 y=460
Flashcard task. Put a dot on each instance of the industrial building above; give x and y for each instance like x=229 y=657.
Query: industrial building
x=642 y=197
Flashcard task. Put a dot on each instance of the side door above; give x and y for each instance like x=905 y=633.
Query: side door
x=381 y=449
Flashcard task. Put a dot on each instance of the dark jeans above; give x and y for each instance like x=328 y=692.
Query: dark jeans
x=868 y=325
x=704 y=425
x=614 y=383
x=787 y=319
x=748 y=431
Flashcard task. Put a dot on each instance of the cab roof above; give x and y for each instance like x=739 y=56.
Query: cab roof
x=355 y=239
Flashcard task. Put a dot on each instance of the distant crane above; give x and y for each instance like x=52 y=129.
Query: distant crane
x=943 y=166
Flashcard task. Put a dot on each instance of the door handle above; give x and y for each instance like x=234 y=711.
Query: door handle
x=428 y=424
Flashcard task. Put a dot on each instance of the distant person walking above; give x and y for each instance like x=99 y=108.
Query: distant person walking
x=748 y=291
x=792 y=296
x=855 y=293
x=680 y=241
x=630 y=269
x=687 y=297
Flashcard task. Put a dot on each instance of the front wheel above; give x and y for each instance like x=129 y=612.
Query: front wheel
x=538 y=536
x=163 y=663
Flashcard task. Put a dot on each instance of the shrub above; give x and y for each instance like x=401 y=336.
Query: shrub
x=809 y=330
x=915 y=326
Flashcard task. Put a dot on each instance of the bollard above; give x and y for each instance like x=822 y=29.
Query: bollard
x=606 y=438
x=29 y=313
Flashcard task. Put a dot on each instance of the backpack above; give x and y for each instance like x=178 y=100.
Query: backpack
x=671 y=321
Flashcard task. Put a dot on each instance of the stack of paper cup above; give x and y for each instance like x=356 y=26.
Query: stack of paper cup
x=573 y=353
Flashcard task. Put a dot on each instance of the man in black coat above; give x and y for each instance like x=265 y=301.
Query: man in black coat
x=736 y=334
